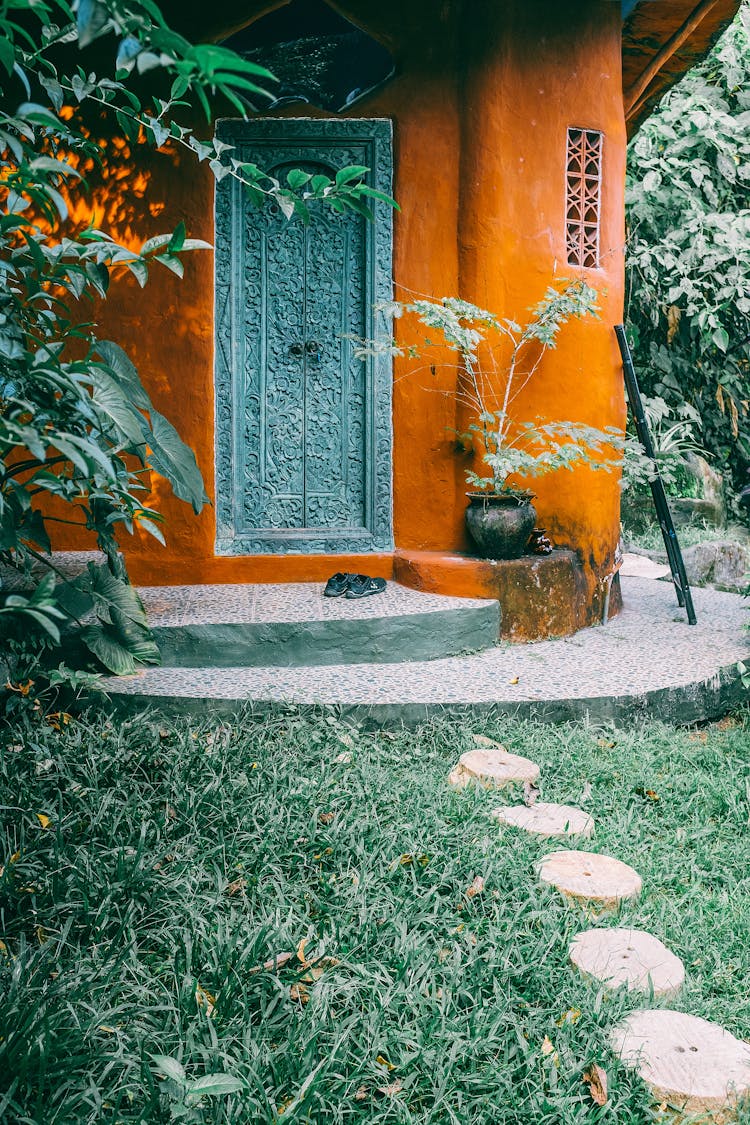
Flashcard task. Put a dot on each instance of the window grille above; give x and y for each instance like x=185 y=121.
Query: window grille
x=583 y=197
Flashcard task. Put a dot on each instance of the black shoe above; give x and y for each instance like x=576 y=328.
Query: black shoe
x=362 y=586
x=337 y=585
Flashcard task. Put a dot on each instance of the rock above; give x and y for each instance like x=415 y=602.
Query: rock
x=543 y=819
x=688 y=1062
x=596 y=879
x=691 y=510
x=631 y=958
x=710 y=482
x=720 y=563
x=640 y=566
x=492 y=766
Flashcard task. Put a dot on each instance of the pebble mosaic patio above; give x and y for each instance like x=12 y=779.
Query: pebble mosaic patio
x=647 y=660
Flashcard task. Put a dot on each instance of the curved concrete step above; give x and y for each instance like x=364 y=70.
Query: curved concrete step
x=293 y=625
x=647 y=661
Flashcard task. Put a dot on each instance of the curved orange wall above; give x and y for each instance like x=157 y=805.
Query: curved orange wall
x=480 y=113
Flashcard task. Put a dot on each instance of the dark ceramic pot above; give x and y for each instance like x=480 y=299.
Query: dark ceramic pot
x=499 y=524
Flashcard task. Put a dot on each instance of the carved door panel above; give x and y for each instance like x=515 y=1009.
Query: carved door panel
x=303 y=427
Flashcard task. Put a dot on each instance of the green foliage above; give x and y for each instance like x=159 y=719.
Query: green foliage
x=498 y=358
x=159 y=906
x=689 y=247
x=76 y=423
x=673 y=434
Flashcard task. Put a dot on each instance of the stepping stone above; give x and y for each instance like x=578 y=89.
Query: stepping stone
x=543 y=819
x=687 y=1061
x=493 y=766
x=632 y=958
x=597 y=879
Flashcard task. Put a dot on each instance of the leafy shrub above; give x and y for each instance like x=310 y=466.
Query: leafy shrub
x=689 y=248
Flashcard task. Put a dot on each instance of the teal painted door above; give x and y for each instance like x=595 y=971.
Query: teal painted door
x=303 y=451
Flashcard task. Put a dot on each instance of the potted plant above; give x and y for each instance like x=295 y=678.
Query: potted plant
x=497 y=358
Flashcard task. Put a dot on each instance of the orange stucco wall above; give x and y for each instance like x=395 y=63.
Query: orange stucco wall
x=480 y=107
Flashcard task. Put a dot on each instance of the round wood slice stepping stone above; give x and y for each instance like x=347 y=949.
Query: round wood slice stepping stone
x=493 y=766
x=546 y=820
x=632 y=958
x=687 y=1061
x=592 y=878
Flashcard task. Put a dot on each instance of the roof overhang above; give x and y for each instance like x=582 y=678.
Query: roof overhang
x=661 y=41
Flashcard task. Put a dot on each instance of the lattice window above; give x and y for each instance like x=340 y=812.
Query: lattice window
x=583 y=197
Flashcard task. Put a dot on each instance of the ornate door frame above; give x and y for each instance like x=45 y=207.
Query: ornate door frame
x=367 y=142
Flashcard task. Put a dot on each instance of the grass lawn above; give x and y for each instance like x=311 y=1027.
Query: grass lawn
x=177 y=858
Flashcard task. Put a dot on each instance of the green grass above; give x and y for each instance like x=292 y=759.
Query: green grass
x=651 y=539
x=127 y=902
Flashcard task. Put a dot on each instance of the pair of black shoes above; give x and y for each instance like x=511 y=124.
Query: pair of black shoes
x=353 y=586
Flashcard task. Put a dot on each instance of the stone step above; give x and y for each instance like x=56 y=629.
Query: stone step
x=647 y=661
x=492 y=766
x=589 y=878
x=546 y=820
x=293 y=625
x=634 y=959
x=695 y=1066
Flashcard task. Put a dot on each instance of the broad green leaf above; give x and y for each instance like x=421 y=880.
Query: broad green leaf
x=351 y=172
x=111 y=398
x=175 y=461
x=216 y=1084
x=169 y=1067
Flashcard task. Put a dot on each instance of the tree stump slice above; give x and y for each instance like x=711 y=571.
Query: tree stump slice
x=688 y=1062
x=631 y=958
x=598 y=879
x=548 y=820
x=494 y=767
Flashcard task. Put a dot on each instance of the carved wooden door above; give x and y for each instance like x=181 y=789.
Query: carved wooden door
x=303 y=459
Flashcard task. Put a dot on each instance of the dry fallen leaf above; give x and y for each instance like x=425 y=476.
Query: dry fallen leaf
x=531 y=793
x=300 y=993
x=383 y=1061
x=482 y=740
x=344 y=759
x=391 y=1089
x=326 y=817
x=605 y=743
x=476 y=888
x=361 y=1094
x=547 y=1046
x=596 y=1078
x=571 y=1016
x=58 y=719
x=514 y=680
x=407 y=859
x=236 y=887
x=205 y=1000
x=43 y=820
x=273 y=963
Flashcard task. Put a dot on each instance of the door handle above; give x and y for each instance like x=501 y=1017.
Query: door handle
x=296 y=350
x=312 y=347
